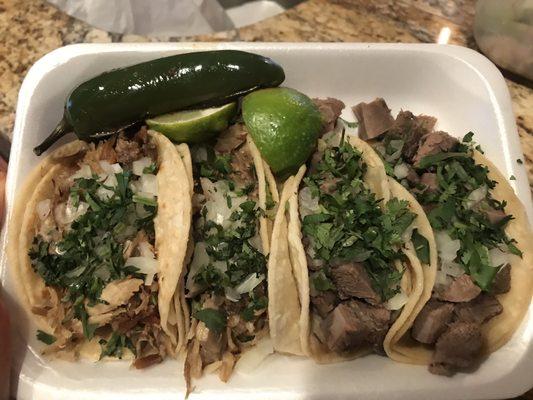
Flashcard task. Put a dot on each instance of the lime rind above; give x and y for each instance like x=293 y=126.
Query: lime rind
x=194 y=126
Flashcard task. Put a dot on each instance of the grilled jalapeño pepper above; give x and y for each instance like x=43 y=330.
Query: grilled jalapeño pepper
x=122 y=97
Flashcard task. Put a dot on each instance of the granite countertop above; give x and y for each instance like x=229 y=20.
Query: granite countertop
x=31 y=28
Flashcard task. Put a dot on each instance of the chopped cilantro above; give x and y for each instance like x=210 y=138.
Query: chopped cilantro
x=255 y=304
x=519 y=161
x=421 y=246
x=90 y=254
x=321 y=282
x=349 y=124
x=216 y=167
x=352 y=225
x=213 y=319
x=114 y=347
x=433 y=159
x=46 y=338
x=144 y=200
x=452 y=210
x=513 y=178
x=151 y=169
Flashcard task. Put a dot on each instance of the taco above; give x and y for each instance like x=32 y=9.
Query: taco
x=226 y=284
x=97 y=241
x=356 y=244
x=483 y=284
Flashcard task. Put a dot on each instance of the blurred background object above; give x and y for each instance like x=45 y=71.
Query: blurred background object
x=504 y=32
x=171 y=17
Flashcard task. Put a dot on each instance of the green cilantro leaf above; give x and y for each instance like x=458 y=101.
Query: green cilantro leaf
x=45 y=337
x=213 y=319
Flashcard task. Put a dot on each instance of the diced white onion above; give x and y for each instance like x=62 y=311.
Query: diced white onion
x=442 y=279
x=146 y=249
x=446 y=246
x=307 y=203
x=231 y=294
x=66 y=213
x=149 y=184
x=249 y=283
x=397 y=301
x=217 y=204
x=499 y=257
x=83 y=172
x=104 y=194
x=252 y=359
x=111 y=181
x=452 y=268
x=476 y=196
x=145 y=195
x=138 y=166
x=146 y=265
x=43 y=208
x=110 y=169
x=401 y=171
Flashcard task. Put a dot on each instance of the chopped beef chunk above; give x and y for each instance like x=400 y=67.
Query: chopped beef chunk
x=231 y=138
x=429 y=179
x=495 y=216
x=479 y=310
x=457 y=348
x=127 y=150
x=432 y=321
x=330 y=109
x=242 y=168
x=330 y=185
x=434 y=143
x=374 y=118
x=148 y=361
x=412 y=177
x=411 y=129
x=502 y=281
x=352 y=280
x=462 y=289
x=212 y=345
x=354 y=323
x=324 y=302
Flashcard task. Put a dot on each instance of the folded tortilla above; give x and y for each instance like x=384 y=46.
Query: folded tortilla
x=290 y=312
x=481 y=289
x=498 y=330
x=208 y=350
x=171 y=228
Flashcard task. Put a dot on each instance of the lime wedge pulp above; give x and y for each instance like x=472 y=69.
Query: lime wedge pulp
x=193 y=126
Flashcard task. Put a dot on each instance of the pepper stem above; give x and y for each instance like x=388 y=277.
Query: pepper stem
x=60 y=130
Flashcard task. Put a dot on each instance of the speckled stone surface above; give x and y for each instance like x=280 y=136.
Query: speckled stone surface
x=31 y=28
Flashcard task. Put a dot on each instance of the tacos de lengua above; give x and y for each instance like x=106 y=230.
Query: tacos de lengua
x=483 y=285
x=358 y=248
x=97 y=241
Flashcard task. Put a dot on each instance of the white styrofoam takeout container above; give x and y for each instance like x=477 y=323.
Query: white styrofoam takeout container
x=458 y=86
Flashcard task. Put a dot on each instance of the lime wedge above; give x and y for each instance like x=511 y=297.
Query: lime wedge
x=284 y=124
x=193 y=126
